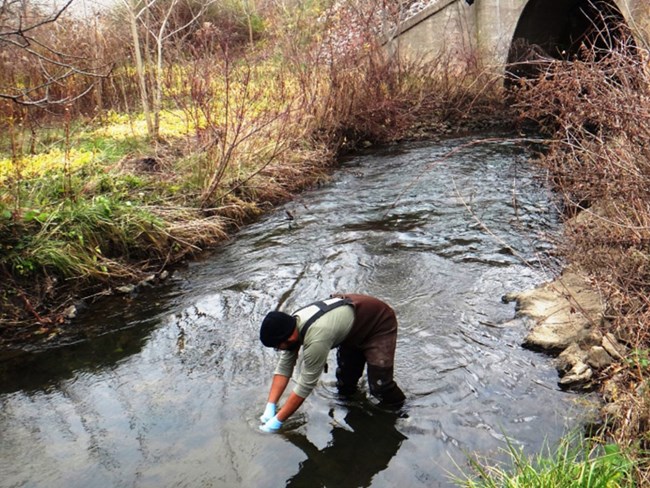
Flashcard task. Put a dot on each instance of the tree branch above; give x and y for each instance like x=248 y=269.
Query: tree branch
x=17 y=32
x=20 y=31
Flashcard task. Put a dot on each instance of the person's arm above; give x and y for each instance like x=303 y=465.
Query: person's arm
x=314 y=357
x=290 y=406
x=281 y=377
x=278 y=385
x=274 y=420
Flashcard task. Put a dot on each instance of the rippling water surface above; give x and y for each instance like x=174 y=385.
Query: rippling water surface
x=172 y=397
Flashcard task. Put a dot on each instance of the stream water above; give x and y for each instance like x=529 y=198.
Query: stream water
x=171 y=397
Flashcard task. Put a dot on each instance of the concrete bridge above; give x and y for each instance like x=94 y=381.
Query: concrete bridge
x=502 y=32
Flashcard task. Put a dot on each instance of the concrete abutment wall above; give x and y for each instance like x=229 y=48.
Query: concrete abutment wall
x=488 y=28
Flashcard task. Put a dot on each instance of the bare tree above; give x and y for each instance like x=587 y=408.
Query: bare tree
x=154 y=16
x=21 y=25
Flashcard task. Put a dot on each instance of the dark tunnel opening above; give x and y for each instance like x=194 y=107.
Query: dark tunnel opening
x=565 y=30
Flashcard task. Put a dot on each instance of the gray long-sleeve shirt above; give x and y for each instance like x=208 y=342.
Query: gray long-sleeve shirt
x=325 y=333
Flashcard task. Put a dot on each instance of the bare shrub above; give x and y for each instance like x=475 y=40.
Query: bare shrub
x=47 y=58
x=244 y=118
x=597 y=112
x=363 y=93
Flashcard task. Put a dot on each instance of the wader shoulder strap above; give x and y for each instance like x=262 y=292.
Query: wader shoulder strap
x=323 y=308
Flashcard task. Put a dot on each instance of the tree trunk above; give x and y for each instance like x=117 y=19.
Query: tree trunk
x=140 y=69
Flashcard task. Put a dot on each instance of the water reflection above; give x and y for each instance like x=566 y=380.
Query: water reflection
x=50 y=369
x=361 y=446
x=99 y=339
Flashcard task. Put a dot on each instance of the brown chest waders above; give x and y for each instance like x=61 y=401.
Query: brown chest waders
x=371 y=341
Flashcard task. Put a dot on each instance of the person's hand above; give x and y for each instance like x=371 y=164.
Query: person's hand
x=271 y=425
x=269 y=412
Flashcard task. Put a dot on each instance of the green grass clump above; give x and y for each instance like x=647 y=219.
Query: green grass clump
x=576 y=463
x=79 y=238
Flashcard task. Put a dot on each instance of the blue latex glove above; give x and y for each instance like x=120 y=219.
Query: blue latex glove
x=271 y=425
x=269 y=412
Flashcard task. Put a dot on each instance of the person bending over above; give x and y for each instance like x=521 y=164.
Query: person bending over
x=361 y=327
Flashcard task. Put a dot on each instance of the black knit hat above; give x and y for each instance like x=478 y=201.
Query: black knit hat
x=276 y=328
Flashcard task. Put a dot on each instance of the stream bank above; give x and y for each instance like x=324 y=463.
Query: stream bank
x=41 y=312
